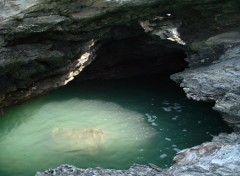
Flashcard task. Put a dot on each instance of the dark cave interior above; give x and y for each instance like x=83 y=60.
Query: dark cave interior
x=135 y=56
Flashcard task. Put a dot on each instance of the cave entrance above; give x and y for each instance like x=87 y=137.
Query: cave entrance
x=107 y=120
x=135 y=56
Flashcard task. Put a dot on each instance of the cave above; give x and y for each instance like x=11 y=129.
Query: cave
x=119 y=87
x=120 y=110
x=135 y=56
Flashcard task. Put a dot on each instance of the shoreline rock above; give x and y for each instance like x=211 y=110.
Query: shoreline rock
x=66 y=170
x=218 y=81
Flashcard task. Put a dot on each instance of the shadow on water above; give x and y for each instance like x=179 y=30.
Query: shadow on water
x=57 y=128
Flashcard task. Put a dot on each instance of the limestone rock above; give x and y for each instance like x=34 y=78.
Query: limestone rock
x=66 y=170
x=229 y=106
x=220 y=81
x=220 y=157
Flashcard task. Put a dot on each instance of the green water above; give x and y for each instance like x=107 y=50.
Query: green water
x=107 y=124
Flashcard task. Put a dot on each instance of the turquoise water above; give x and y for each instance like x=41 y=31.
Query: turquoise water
x=109 y=124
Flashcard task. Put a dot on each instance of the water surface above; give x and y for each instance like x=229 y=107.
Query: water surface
x=109 y=124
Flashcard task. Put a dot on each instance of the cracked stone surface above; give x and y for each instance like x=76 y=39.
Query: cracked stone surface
x=219 y=81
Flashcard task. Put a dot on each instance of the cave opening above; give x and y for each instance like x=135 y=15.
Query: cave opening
x=135 y=56
x=122 y=109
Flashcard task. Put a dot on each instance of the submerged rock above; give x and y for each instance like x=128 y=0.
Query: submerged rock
x=87 y=139
x=219 y=157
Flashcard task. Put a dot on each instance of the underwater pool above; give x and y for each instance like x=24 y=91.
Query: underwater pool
x=109 y=124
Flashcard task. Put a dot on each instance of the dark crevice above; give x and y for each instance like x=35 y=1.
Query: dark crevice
x=141 y=55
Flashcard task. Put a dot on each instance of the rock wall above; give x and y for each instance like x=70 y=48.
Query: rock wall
x=218 y=81
x=46 y=43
